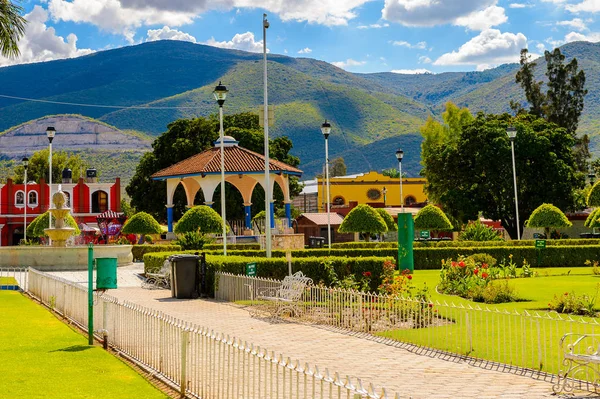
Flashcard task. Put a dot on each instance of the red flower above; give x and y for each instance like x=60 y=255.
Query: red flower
x=431 y=305
x=461 y=264
x=566 y=293
x=549 y=305
x=409 y=277
x=475 y=271
x=484 y=275
x=367 y=274
x=454 y=264
x=484 y=265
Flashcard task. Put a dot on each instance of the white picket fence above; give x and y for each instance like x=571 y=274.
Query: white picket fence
x=200 y=362
x=521 y=342
x=11 y=275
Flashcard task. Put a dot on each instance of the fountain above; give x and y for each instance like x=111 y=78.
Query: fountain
x=59 y=233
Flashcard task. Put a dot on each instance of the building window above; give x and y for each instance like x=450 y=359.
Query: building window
x=410 y=200
x=374 y=194
x=20 y=198
x=33 y=198
x=68 y=197
x=99 y=202
x=339 y=201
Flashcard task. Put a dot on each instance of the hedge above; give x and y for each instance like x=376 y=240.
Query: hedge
x=461 y=244
x=231 y=246
x=138 y=251
x=277 y=267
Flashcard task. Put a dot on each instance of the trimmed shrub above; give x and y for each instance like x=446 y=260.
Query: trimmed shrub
x=192 y=240
x=138 y=251
x=201 y=219
x=141 y=223
x=231 y=247
x=477 y=231
x=41 y=222
x=463 y=244
x=363 y=219
x=593 y=198
x=593 y=221
x=432 y=218
x=388 y=219
x=547 y=216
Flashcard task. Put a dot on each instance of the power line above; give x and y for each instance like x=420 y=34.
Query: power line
x=91 y=105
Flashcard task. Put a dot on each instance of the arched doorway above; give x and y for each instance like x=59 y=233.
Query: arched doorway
x=99 y=201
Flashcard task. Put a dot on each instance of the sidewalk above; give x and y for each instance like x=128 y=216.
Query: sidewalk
x=396 y=369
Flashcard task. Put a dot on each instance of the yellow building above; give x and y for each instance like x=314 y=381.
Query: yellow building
x=371 y=188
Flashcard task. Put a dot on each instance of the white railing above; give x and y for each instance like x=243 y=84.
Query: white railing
x=13 y=278
x=199 y=362
x=522 y=342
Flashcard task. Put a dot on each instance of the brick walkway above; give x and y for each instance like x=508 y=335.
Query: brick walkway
x=396 y=369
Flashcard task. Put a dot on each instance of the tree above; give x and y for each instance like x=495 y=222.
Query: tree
x=363 y=219
x=338 y=167
x=40 y=223
x=187 y=137
x=475 y=175
x=432 y=218
x=593 y=198
x=388 y=219
x=533 y=89
x=39 y=168
x=12 y=28
x=393 y=173
x=202 y=219
x=548 y=216
x=592 y=218
x=141 y=223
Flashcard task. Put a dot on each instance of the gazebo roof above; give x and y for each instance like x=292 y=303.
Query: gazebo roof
x=237 y=160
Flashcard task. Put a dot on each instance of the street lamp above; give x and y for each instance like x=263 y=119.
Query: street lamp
x=512 y=134
x=592 y=177
x=220 y=94
x=268 y=191
x=384 y=191
x=50 y=133
x=399 y=156
x=25 y=165
x=326 y=129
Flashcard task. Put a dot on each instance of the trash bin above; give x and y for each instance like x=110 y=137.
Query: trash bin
x=316 y=242
x=106 y=273
x=184 y=276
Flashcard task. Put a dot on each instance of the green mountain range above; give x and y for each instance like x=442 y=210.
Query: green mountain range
x=371 y=114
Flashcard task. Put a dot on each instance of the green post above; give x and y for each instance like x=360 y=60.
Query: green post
x=406 y=234
x=91 y=294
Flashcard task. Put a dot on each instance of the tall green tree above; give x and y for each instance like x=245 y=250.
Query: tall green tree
x=39 y=168
x=338 y=167
x=12 y=28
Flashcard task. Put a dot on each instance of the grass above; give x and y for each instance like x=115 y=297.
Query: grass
x=8 y=281
x=41 y=357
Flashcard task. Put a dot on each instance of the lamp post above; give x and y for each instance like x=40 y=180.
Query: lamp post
x=50 y=133
x=399 y=156
x=25 y=165
x=384 y=191
x=268 y=193
x=592 y=177
x=326 y=129
x=512 y=134
x=220 y=94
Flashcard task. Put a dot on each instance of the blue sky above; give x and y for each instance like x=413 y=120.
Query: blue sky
x=404 y=36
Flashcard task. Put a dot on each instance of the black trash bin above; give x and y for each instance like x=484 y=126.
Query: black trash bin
x=184 y=276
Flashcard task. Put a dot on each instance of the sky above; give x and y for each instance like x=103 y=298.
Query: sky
x=365 y=36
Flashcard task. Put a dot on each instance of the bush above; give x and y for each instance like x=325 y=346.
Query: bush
x=363 y=219
x=41 y=222
x=192 y=240
x=432 y=218
x=141 y=223
x=138 y=251
x=202 y=219
x=547 y=216
x=593 y=198
x=231 y=247
x=592 y=217
x=388 y=219
x=572 y=303
x=484 y=259
x=477 y=231
x=467 y=244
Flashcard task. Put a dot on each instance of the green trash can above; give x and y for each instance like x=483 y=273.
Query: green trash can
x=106 y=273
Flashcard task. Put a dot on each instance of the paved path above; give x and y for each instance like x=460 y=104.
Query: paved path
x=396 y=369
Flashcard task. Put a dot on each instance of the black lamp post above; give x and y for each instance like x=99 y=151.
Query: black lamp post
x=399 y=156
x=220 y=94
x=25 y=165
x=326 y=129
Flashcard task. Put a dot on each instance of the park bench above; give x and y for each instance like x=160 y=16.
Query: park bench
x=286 y=297
x=581 y=357
x=162 y=279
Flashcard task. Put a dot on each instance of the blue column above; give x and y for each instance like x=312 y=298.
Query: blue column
x=208 y=203
x=272 y=215
x=170 y=217
x=248 y=213
x=288 y=213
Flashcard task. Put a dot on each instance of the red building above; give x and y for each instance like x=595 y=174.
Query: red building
x=86 y=200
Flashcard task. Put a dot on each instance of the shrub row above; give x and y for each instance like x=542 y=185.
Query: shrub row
x=231 y=246
x=277 y=267
x=138 y=251
x=462 y=244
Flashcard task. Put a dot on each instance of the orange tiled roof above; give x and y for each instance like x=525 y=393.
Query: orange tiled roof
x=237 y=160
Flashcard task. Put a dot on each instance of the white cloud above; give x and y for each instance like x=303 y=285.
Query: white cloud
x=348 y=63
x=575 y=23
x=305 y=50
x=540 y=47
x=576 y=37
x=490 y=47
x=241 y=41
x=484 y=19
x=373 y=26
x=424 y=60
x=431 y=12
x=519 y=5
x=584 y=6
x=402 y=43
x=420 y=71
x=167 y=33
x=40 y=42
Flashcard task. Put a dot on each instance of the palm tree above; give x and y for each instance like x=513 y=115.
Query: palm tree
x=12 y=28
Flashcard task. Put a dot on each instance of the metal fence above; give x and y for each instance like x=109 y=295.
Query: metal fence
x=200 y=362
x=521 y=342
x=13 y=278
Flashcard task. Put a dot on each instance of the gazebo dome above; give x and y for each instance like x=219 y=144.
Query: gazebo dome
x=228 y=141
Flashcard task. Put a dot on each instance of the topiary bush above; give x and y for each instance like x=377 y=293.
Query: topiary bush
x=477 y=231
x=547 y=216
x=363 y=219
x=593 y=198
x=592 y=220
x=141 y=223
x=201 y=219
x=41 y=222
x=388 y=219
x=432 y=218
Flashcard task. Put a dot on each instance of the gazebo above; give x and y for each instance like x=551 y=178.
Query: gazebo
x=243 y=169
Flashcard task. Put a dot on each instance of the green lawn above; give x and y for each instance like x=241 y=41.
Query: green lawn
x=41 y=357
x=8 y=281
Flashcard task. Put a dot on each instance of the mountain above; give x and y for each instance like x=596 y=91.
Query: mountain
x=372 y=114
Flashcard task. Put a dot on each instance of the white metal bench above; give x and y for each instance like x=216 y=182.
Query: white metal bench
x=162 y=279
x=286 y=297
x=581 y=358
